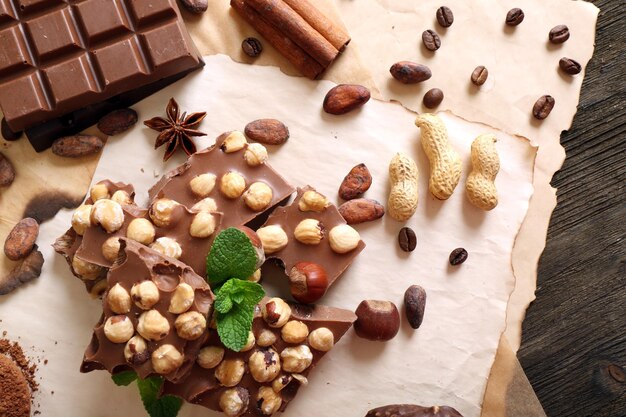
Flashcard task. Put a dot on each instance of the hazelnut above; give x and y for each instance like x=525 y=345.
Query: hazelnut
x=266 y=338
x=276 y=312
x=167 y=247
x=122 y=197
x=309 y=232
x=268 y=401
x=163 y=212
x=118 y=299
x=234 y=402
x=321 y=339
x=86 y=270
x=166 y=359
x=206 y=204
x=99 y=192
x=281 y=382
x=203 y=225
x=232 y=184
x=118 y=329
x=294 y=332
x=302 y=380
x=258 y=196
x=377 y=320
x=255 y=154
x=255 y=240
x=308 y=282
x=343 y=238
x=135 y=350
x=141 y=230
x=108 y=214
x=98 y=289
x=203 y=184
x=296 y=359
x=153 y=326
x=230 y=372
x=210 y=356
x=81 y=219
x=190 y=325
x=249 y=342
x=264 y=365
x=182 y=299
x=313 y=201
x=234 y=142
x=145 y=294
x=273 y=238
x=111 y=248
x=256 y=276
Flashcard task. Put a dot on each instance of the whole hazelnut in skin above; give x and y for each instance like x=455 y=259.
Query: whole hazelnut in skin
x=136 y=351
x=234 y=401
x=118 y=329
x=166 y=359
x=276 y=312
x=145 y=294
x=152 y=325
x=210 y=356
x=308 y=282
x=230 y=372
x=268 y=401
x=264 y=365
x=118 y=299
x=190 y=325
x=377 y=320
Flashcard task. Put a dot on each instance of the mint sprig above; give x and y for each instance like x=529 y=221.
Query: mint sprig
x=235 y=303
x=232 y=256
x=166 y=406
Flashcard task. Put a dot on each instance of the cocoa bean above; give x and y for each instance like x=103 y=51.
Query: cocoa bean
x=77 y=146
x=117 y=121
x=195 y=6
x=361 y=210
x=414 y=304
x=344 y=98
x=412 y=410
x=21 y=239
x=25 y=271
x=357 y=182
x=267 y=131
x=7 y=172
x=410 y=72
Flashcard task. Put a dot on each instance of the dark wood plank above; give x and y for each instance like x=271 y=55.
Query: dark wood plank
x=577 y=325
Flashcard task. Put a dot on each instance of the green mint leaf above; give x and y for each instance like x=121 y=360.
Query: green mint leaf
x=234 y=323
x=125 y=378
x=232 y=256
x=167 y=406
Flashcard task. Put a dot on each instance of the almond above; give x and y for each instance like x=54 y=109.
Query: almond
x=267 y=131
x=117 y=121
x=355 y=183
x=345 y=97
x=408 y=72
x=21 y=239
x=77 y=146
x=7 y=172
x=361 y=210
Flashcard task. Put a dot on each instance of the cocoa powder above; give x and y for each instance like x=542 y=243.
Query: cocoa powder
x=17 y=380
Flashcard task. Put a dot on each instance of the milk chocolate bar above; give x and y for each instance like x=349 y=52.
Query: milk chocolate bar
x=268 y=373
x=212 y=166
x=60 y=59
x=154 y=317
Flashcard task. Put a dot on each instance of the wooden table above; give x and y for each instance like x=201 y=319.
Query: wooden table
x=576 y=328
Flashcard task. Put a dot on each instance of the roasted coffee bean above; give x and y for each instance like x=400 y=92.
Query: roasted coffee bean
x=252 y=47
x=543 y=106
x=445 y=16
x=559 y=34
x=570 y=66
x=7 y=133
x=479 y=76
x=433 y=98
x=414 y=305
x=408 y=72
x=431 y=40
x=458 y=256
x=407 y=239
x=514 y=17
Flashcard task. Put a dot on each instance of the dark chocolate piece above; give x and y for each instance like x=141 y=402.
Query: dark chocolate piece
x=138 y=264
x=175 y=184
x=61 y=59
x=201 y=386
x=289 y=217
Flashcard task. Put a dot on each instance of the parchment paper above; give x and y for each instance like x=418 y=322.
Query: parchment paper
x=522 y=66
x=446 y=362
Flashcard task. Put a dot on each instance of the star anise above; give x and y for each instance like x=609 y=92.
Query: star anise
x=177 y=130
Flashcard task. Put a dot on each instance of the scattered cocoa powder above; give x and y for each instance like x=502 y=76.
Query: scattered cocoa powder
x=17 y=380
x=14 y=351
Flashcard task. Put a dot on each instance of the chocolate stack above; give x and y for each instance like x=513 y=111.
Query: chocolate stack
x=65 y=64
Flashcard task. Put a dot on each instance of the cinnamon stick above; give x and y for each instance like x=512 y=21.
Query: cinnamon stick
x=303 y=62
x=335 y=34
x=289 y=22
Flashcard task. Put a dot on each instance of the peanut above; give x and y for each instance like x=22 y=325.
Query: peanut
x=480 y=187
x=403 y=176
x=445 y=162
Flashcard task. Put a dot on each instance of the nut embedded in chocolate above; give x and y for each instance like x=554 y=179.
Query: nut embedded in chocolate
x=308 y=282
x=117 y=121
x=252 y=47
x=377 y=320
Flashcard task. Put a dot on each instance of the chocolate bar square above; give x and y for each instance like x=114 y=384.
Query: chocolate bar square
x=102 y=18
